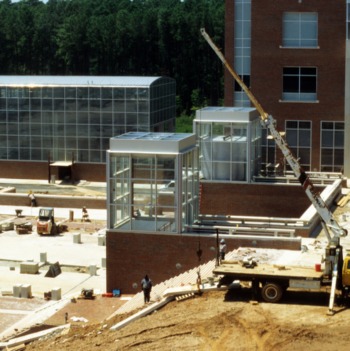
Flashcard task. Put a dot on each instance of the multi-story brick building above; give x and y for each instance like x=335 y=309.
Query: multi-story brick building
x=293 y=55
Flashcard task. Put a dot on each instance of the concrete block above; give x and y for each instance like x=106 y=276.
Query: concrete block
x=43 y=257
x=56 y=294
x=17 y=290
x=101 y=240
x=8 y=226
x=26 y=291
x=77 y=238
x=93 y=270
x=29 y=268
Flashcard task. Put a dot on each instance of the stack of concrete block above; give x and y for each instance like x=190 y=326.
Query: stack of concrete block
x=22 y=290
x=29 y=268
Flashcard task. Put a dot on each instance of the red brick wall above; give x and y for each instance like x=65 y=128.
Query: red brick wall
x=130 y=256
x=253 y=200
x=39 y=170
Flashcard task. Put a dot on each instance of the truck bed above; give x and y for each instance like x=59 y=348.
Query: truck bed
x=239 y=272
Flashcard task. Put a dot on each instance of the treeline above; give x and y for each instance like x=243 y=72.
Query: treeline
x=117 y=37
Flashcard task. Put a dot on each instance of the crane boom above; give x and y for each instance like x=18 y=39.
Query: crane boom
x=328 y=221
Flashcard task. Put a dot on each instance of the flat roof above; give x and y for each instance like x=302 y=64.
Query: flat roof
x=155 y=143
x=117 y=81
x=226 y=114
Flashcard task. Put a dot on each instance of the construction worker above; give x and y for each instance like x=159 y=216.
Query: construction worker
x=222 y=249
x=32 y=199
x=85 y=215
x=146 y=285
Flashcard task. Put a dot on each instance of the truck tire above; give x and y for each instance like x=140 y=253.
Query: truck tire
x=272 y=292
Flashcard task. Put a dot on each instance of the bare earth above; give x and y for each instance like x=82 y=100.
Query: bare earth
x=213 y=321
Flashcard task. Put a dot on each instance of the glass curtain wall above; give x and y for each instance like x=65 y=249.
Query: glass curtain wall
x=146 y=195
x=62 y=121
x=228 y=150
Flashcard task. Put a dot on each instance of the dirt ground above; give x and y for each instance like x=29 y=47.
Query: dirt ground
x=213 y=321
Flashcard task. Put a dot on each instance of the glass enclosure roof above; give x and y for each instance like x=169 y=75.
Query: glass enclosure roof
x=152 y=136
x=118 y=81
x=148 y=142
x=228 y=114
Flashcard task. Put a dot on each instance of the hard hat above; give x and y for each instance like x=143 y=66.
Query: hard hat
x=222 y=241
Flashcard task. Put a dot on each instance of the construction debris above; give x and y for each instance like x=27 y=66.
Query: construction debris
x=344 y=200
x=184 y=297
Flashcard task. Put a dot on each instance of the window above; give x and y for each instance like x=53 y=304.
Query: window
x=268 y=150
x=300 y=30
x=299 y=83
x=332 y=146
x=242 y=49
x=298 y=137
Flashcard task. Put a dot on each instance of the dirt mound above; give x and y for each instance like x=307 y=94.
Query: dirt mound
x=216 y=321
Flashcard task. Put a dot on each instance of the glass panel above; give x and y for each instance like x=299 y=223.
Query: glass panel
x=304 y=138
x=58 y=93
x=327 y=139
x=71 y=93
x=131 y=94
x=292 y=137
x=304 y=155
x=339 y=139
x=119 y=94
x=338 y=157
x=327 y=157
x=107 y=93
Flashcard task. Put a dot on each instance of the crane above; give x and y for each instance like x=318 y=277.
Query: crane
x=328 y=221
x=334 y=251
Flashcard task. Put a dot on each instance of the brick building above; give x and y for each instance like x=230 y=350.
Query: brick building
x=293 y=55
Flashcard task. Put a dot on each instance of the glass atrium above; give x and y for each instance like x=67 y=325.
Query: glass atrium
x=73 y=117
x=153 y=182
x=229 y=140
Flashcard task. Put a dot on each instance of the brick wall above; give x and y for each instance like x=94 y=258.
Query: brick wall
x=40 y=170
x=130 y=256
x=253 y=200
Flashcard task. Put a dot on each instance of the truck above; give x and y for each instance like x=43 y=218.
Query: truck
x=269 y=282
x=45 y=224
x=273 y=283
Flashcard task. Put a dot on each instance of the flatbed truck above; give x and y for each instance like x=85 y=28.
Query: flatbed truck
x=271 y=281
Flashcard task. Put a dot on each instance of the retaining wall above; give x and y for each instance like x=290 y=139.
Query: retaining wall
x=60 y=201
x=130 y=256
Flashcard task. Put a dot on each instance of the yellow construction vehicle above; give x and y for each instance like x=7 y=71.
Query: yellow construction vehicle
x=45 y=224
x=334 y=251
